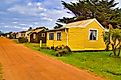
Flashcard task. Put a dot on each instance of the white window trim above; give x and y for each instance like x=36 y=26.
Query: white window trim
x=61 y=35
x=89 y=34
x=49 y=35
x=43 y=34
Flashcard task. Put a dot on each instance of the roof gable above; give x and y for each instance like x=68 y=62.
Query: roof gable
x=82 y=23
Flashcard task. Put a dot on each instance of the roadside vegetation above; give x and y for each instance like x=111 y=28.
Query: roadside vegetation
x=98 y=62
x=15 y=40
x=22 y=40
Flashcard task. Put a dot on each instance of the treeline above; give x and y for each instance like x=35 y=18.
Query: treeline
x=105 y=11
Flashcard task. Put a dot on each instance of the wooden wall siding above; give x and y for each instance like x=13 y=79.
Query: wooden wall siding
x=56 y=42
x=38 y=37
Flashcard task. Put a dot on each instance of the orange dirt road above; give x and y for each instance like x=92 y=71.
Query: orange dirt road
x=21 y=63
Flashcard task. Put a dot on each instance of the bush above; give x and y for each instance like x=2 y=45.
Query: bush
x=62 y=50
x=22 y=40
x=52 y=47
x=59 y=47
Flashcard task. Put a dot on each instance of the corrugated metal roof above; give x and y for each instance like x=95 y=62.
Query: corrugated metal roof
x=37 y=30
x=79 y=23
x=56 y=29
x=82 y=23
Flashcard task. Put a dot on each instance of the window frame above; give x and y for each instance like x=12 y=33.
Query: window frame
x=34 y=35
x=43 y=34
x=60 y=38
x=89 y=34
x=49 y=35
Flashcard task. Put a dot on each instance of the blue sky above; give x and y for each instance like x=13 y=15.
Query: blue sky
x=19 y=15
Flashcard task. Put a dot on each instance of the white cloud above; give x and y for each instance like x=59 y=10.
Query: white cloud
x=15 y=19
x=17 y=27
x=119 y=5
x=38 y=4
x=43 y=14
x=41 y=9
x=24 y=28
x=55 y=14
x=15 y=22
x=29 y=4
x=74 y=1
x=37 y=9
x=6 y=26
x=30 y=25
x=36 y=23
x=22 y=24
x=32 y=10
x=47 y=19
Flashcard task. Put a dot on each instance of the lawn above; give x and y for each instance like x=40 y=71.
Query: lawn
x=97 y=62
x=15 y=40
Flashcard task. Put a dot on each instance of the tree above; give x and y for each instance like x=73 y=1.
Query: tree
x=0 y=33
x=114 y=23
x=116 y=41
x=30 y=28
x=103 y=10
x=58 y=26
x=69 y=20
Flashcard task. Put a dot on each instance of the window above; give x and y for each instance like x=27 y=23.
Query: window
x=22 y=34
x=34 y=36
x=93 y=35
x=58 y=35
x=51 y=36
x=43 y=34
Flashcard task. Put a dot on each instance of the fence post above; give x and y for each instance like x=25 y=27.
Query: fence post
x=40 y=43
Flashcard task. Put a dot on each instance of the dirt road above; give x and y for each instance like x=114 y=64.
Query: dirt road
x=21 y=63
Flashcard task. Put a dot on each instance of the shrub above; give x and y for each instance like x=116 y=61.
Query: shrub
x=52 y=47
x=58 y=48
x=60 y=51
x=22 y=40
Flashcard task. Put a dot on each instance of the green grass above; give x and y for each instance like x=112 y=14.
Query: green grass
x=15 y=40
x=97 y=62
x=36 y=47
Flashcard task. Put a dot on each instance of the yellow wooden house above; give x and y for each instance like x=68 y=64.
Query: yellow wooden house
x=78 y=36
